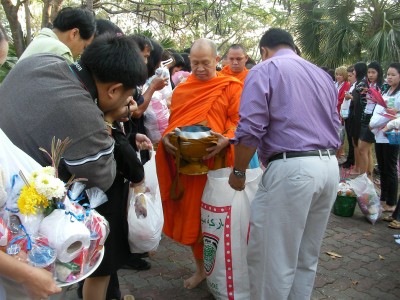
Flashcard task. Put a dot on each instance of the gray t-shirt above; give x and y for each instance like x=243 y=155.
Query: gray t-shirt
x=42 y=98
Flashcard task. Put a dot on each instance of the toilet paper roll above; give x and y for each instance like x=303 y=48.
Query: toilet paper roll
x=65 y=234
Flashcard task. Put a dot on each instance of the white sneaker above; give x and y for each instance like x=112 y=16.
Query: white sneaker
x=396 y=240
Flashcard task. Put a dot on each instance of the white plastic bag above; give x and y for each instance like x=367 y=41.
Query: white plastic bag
x=367 y=198
x=345 y=108
x=145 y=232
x=225 y=216
x=12 y=161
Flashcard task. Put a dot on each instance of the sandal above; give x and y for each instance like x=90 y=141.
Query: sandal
x=387 y=208
x=394 y=224
x=388 y=219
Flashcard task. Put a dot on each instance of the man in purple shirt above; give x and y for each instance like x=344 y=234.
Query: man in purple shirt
x=288 y=110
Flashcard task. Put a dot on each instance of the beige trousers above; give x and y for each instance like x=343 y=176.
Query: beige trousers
x=288 y=219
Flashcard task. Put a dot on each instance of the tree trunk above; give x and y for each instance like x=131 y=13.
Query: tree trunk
x=28 y=23
x=11 y=12
x=89 y=5
x=47 y=4
x=55 y=9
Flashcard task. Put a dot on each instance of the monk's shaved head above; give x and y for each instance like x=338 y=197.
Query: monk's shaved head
x=204 y=44
x=237 y=58
x=238 y=47
x=204 y=59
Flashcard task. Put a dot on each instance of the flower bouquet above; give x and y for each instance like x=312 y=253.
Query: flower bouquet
x=44 y=224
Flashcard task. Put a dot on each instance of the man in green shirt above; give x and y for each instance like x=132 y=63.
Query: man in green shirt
x=73 y=30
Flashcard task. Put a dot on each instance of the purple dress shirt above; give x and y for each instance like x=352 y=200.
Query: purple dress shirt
x=288 y=104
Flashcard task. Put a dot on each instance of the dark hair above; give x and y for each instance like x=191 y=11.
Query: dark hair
x=3 y=34
x=179 y=61
x=376 y=66
x=106 y=26
x=331 y=73
x=396 y=66
x=350 y=69
x=142 y=41
x=361 y=70
x=155 y=57
x=275 y=37
x=250 y=63
x=115 y=59
x=187 y=66
x=69 y=18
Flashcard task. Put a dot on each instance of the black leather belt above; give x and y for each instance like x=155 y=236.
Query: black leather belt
x=326 y=152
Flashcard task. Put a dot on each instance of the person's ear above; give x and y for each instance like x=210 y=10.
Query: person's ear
x=114 y=90
x=264 y=53
x=246 y=58
x=74 y=33
x=217 y=58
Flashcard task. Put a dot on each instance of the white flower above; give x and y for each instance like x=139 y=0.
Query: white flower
x=48 y=171
x=49 y=186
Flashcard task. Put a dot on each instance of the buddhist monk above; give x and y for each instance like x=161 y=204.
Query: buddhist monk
x=207 y=99
x=237 y=59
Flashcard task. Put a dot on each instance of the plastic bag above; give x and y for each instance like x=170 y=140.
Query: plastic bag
x=156 y=118
x=225 y=216
x=145 y=232
x=345 y=108
x=13 y=160
x=96 y=197
x=367 y=198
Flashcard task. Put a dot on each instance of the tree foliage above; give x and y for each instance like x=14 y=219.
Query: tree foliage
x=336 y=32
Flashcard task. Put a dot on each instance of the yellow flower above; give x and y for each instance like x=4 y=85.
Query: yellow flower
x=30 y=200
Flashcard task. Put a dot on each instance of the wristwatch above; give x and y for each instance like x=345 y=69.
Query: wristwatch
x=239 y=174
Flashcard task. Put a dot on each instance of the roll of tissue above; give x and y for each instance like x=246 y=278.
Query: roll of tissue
x=66 y=234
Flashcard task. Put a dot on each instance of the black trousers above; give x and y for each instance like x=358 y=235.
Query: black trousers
x=350 y=155
x=387 y=156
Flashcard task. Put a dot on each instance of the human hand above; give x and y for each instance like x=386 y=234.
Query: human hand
x=171 y=149
x=221 y=144
x=237 y=183
x=143 y=142
x=122 y=113
x=158 y=83
x=39 y=283
x=348 y=96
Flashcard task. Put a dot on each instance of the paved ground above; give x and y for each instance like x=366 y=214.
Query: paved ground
x=369 y=267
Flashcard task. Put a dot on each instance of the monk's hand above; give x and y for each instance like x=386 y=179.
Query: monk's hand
x=171 y=149
x=237 y=183
x=143 y=142
x=222 y=143
x=158 y=83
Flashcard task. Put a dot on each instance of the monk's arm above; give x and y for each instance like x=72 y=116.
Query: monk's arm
x=232 y=120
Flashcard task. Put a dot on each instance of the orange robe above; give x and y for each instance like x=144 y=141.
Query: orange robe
x=228 y=72
x=214 y=103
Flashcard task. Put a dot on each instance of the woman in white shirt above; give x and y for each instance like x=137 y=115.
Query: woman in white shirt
x=387 y=154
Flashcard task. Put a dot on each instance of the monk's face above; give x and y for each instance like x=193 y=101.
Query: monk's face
x=237 y=60
x=203 y=63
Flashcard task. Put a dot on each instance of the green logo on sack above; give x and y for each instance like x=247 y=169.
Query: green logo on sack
x=210 y=250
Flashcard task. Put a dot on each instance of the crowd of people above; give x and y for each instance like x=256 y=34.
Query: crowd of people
x=285 y=110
